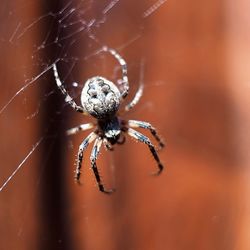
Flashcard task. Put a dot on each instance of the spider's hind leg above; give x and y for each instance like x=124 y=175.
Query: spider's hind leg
x=139 y=92
x=79 y=128
x=124 y=67
x=68 y=98
x=142 y=138
x=136 y=98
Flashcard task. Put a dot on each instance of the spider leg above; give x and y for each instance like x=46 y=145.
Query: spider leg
x=68 y=98
x=146 y=125
x=93 y=158
x=77 y=129
x=107 y=144
x=142 y=138
x=123 y=64
x=139 y=92
x=82 y=147
x=136 y=98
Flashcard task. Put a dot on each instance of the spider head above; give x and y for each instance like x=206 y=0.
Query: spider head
x=100 y=97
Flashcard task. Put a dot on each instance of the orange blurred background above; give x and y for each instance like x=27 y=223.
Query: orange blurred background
x=197 y=96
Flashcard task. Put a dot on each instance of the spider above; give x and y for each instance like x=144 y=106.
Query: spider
x=101 y=99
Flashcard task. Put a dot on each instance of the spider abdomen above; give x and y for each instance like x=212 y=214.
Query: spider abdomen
x=100 y=97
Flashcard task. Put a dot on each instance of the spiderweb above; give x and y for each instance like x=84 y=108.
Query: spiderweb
x=33 y=37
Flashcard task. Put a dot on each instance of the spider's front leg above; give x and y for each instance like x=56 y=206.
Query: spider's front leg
x=92 y=136
x=93 y=158
x=142 y=138
x=146 y=125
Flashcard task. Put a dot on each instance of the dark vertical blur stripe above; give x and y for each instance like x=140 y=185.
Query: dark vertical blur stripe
x=55 y=233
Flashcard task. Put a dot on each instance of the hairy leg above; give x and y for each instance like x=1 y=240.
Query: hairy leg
x=123 y=64
x=142 y=138
x=93 y=158
x=92 y=136
x=68 y=98
x=146 y=125
x=79 y=128
x=139 y=92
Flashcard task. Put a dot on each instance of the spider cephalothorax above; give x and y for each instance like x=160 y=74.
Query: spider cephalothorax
x=101 y=99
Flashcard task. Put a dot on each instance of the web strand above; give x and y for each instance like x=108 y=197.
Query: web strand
x=21 y=164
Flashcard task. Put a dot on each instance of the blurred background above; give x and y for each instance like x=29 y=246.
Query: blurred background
x=196 y=94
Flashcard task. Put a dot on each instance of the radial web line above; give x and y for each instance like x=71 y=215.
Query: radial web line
x=21 y=164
